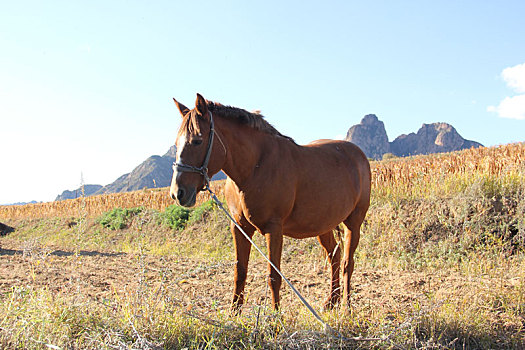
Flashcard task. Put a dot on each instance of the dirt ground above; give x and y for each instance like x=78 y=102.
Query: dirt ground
x=205 y=286
x=388 y=300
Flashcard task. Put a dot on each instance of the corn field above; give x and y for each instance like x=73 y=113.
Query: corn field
x=402 y=175
x=421 y=175
x=94 y=206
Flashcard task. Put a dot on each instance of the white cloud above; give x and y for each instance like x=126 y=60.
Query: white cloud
x=512 y=107
x=515 y=77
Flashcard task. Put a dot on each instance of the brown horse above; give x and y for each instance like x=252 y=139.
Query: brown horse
x=274 y=186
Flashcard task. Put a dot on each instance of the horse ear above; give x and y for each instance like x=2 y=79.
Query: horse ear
x=182 y=108
x=200 y=105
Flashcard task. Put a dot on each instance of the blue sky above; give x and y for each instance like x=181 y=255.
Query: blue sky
x=86 y=87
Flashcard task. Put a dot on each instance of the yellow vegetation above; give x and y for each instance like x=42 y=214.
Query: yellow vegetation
x=96 y=205
x=401 y=175
x=421 y=175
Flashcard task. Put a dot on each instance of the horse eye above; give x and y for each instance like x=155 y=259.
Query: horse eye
x=196 y=142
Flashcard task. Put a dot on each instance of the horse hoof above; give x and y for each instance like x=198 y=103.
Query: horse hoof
x=329 y=305
x=235 y=311
x=347 y=309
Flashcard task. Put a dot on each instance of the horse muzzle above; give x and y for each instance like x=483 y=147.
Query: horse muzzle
x=185 y=196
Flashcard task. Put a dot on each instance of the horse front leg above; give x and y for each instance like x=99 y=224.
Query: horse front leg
x=274 y=242
x=242 y=256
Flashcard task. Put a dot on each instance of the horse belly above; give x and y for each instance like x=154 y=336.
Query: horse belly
x=311 y=226
x=318 y=212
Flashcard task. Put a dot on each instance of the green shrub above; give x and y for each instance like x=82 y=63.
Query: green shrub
x=201 y=212
x=175 y=217
x=118 y=218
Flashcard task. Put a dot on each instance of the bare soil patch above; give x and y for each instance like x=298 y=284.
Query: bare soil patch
x=199 y=285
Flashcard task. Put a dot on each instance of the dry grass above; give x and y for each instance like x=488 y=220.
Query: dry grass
x=94 y=206
x=440 y=265
x=440 y=174
x=415 y=176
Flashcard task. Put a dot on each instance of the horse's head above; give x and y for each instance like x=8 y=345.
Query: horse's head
x=197 y=158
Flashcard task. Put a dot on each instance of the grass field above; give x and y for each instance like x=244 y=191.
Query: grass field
x=441 y=265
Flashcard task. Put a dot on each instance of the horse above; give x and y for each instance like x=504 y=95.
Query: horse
x=273 y=186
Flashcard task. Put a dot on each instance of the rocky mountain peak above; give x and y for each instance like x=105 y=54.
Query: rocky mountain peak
x=172 y=152
x=370 y=135
x=370 y=119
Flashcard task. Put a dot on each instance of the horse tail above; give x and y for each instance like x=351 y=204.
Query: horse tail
x=339 y=236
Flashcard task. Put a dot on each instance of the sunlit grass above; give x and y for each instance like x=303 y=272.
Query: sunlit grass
x=444 y=234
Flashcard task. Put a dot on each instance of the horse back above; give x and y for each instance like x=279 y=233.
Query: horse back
x=336 y=160
x=333 y=179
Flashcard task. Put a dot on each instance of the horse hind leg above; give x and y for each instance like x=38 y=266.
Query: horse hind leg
x=333 y=252
x=352 y=226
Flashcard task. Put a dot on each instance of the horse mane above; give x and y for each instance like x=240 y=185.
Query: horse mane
x=254 y=120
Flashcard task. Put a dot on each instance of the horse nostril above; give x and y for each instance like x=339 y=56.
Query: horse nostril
x=172 y=195
x=180 y=194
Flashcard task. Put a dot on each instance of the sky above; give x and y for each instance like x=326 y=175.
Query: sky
x=86 y=87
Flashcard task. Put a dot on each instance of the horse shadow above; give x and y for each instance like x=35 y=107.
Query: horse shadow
x=86 y=253
x=5 y=229
x=63 y=253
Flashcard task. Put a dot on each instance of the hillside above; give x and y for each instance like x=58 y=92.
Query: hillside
x=154 y=172
x=88 y=190
x=403 y=174
x=370 y=135
x=440 y=265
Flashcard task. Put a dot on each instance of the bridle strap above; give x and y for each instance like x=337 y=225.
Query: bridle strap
x=203 y=170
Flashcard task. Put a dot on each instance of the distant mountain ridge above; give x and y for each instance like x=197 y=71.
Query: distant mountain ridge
x=370 y=135
x=88 y=191
x=22 y=203
x=156 y=171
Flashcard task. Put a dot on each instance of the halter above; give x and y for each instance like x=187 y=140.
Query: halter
x=203 y=170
